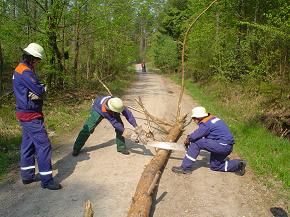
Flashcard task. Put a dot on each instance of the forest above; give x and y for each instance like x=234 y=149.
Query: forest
x=242 y=45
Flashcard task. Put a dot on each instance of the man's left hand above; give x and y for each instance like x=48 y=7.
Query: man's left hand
x=33 y=96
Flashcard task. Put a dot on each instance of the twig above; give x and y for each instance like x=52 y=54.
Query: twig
x=104 y=86
x=286 y=131
x=153 y=184
x=153 y=118
x=131 y=107
x=147 y=114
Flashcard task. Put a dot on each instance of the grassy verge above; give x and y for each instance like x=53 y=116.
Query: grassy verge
x=267 y=154
x=63 y=112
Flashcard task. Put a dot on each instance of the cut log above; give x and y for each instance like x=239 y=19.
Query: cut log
x=142 y=200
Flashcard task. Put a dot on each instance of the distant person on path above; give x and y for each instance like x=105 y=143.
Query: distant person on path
x=107 y=107
x=214 y=136
x=29 y=94
x=143 y=67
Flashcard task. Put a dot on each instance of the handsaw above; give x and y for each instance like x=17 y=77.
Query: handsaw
x=167 y=145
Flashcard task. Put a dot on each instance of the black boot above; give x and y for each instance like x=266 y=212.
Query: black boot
x=181 y=170
x=53 y=186
x=29 y=181
x=125 y=152
x=75 y=152
x=241 y=168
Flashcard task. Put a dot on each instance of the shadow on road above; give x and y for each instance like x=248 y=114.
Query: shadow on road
x=67 y=164
x=278 y=212
x=138 y=148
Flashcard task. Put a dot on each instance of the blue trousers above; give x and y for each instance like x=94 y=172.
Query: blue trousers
x=218 y=153
x=35 y=143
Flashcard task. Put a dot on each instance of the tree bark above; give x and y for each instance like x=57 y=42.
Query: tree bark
x=77 y=44
x=1 y=69
x=142 y=200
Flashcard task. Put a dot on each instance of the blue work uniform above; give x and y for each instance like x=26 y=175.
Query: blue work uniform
x=98 y=113
x=214 y=136
x=35 y=140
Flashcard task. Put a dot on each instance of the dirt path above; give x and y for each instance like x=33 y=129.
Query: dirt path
x=109 y=179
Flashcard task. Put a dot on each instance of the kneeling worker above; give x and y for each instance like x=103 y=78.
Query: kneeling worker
x=214 y=136
x=107 y=107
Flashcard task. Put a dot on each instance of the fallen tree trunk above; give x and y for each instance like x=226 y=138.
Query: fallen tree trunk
x=142 y=200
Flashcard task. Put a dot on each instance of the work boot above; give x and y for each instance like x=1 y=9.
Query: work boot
x=181 y=170
x=29 y=181
x=53 y=186
x=241 y=168
x=75 y=152
x=125 y=152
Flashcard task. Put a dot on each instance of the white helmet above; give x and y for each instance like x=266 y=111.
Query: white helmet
x=199 y=112
x=115 y=104
x=35 y=50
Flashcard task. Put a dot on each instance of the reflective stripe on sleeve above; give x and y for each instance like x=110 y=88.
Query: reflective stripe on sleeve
x=104 y=99
x=223 y=143
x=28 y=168
x=45 y=173
x=226 y=166
x=190 y=158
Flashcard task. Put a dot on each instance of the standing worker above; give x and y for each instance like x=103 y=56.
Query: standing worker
x=107 y=107
x=143 y=66
x=214 y=136
x=29 y=93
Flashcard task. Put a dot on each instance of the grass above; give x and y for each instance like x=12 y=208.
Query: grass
x=62 y=111
x=267 y=154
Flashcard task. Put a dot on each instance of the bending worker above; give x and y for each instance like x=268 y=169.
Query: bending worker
x=214 y=136
x=29 y=94
x=107 y=107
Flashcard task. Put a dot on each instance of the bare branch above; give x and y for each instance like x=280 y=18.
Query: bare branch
x=182 y=56
x=40 y=5
x=104 y=86
x=154 y=119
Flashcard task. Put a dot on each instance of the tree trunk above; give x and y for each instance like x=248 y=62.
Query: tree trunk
x=1 y=69
x=77 y=45
x=142 y=200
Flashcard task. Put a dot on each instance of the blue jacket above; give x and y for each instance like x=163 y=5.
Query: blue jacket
x=24 y=81
x=213 y=128
x=112 y=117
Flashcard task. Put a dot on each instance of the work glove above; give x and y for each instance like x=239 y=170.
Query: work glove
x=138 y=130
x=186 y=143
x=33 y=96
x=140 y=135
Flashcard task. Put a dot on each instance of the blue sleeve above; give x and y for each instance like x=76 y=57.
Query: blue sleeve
x=201 y=131
x=129 y=116
x=32 y=83
x=116 y=124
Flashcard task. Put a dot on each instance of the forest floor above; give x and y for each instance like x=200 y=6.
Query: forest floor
x=109 y=179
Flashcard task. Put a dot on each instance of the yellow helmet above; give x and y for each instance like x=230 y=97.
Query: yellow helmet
x=115 y=104
x=199 y=112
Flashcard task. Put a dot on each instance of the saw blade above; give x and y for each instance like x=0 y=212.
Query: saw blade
x=167 y=145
